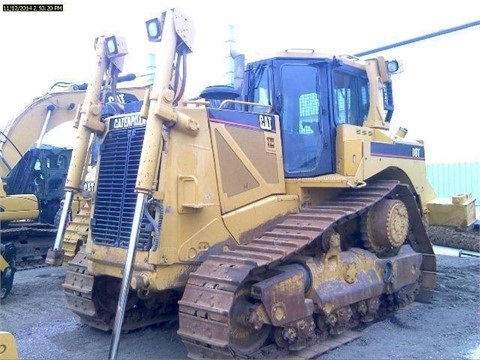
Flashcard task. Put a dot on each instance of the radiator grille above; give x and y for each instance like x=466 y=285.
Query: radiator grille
x=115 y=199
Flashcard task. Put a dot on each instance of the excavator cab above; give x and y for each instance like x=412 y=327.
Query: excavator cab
x=41 y=171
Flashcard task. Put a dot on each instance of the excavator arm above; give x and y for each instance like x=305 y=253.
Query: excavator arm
x=44 y=114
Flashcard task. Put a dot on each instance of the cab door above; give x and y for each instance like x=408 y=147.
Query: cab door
x=307 y=131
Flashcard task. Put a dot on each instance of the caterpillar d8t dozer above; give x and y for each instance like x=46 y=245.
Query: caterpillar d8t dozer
x=269 y=218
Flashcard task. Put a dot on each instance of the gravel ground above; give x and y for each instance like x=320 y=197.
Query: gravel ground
x=448 y=328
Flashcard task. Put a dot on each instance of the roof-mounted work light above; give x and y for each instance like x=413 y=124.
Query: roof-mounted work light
x=115 y=49
x=154 y=29
x=394 y=67
x=115 y=46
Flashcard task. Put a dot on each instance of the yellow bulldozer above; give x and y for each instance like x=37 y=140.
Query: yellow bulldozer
x=270 y=217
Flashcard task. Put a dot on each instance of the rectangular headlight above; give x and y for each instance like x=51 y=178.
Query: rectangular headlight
x=115 y=46
x=154 y=29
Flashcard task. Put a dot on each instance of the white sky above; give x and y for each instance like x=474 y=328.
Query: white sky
x=435 y=96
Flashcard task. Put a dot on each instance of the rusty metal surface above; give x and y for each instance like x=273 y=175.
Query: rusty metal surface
x=208 y=307
x=278 y=293
x=327 y=345
x=54 y=257
x=80 y=283
x=216 y=298
x=83 y=300
x=78 y=286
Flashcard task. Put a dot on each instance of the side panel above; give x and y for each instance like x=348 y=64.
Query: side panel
x=248 y=157
x=407 y=159
x=349 y=148
x=364 y=153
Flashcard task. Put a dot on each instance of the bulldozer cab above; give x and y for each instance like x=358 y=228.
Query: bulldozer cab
x=312 y=98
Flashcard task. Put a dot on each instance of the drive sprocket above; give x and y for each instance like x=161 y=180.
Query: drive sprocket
x=385 y=227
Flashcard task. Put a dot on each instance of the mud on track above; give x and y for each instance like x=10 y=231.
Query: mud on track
x=448 y=328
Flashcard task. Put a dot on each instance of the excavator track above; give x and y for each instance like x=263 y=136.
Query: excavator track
x=210 y=313
x=31 y=241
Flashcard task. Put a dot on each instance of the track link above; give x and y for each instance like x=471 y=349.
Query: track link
x=83 y=300
x=76 y=233
x=209 y=297
x=31 y=241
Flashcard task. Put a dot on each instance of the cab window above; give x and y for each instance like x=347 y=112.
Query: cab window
x=350 y=96
x=261 y=91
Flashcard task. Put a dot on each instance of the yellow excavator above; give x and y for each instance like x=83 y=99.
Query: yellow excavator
x=33 y=176
x=270 y=217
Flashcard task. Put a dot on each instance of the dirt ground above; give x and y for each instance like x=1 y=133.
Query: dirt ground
x=448 y=328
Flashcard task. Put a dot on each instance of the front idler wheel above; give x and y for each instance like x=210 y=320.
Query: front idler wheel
x=245 y=338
